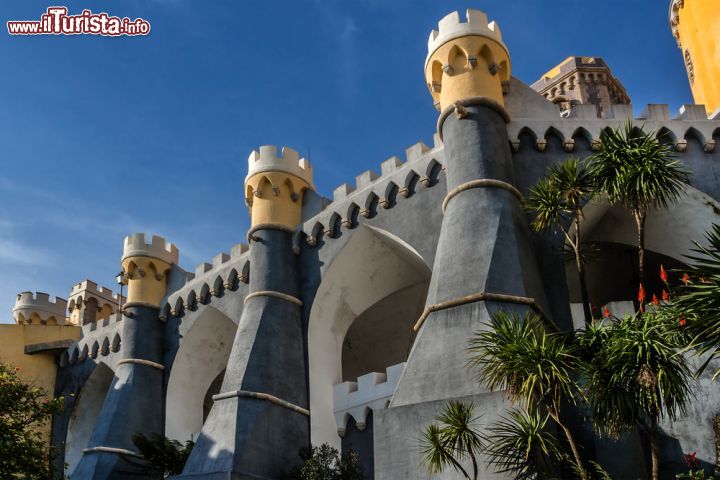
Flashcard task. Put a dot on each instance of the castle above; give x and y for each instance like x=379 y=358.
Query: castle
x=344 y=320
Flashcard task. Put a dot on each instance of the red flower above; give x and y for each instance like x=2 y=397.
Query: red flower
x=691 y=459
x=686 y=278
x=663 y=274
x=655 y=300
x=606 y=312
x=682 y=322
x=665 y=296
x=641 y=294
x=17 y=369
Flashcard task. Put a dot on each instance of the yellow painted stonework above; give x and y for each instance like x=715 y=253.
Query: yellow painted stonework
x=463 y=80
x=146 y=278
x=276 y=198
x=696 y=25
x=36 y=368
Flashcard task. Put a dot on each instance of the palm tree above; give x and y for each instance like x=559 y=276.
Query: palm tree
x=637 y=171
x=452 y=440
x=636 y=375
x=557 y=202
x=696 y=306
x=521 y=445
x=531 y=365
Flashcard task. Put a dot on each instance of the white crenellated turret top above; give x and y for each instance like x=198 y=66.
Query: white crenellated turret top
x=451 y=27
x=289 y=161
x=135 y=246
x=38 y=307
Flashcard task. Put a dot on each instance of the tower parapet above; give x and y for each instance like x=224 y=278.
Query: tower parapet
x=466 y=60
x=145 y=267
x=38 y=308
x=275 y=185
x=89 y=303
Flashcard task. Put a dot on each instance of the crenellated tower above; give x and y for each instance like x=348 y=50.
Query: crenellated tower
x=38 y=309
x=260 y=419
x=484 y=261
x=467 y=60
x=274 y=186
x=135 y=402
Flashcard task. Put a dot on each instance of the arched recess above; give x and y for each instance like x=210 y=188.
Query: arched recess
x=85 y=412
x=364 y=309
x=669 y=235
x=202 y=355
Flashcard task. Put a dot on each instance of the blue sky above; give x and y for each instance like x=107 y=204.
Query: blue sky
x=102 y=137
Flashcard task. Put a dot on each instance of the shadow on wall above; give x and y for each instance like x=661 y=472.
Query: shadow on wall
x=85 y=412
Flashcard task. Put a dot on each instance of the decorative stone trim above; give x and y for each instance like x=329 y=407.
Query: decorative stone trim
x=117 y=451
x=138 y=361
x=483 y=297
x=262 y=396
x=138 y=304
x=270 y=293
x=268 y=226
x=466 y=102
x=481 y=183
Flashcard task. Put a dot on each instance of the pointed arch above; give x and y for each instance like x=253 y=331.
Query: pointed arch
x=217 y=288
x=245 y=273
x=95 y=349
x=190 y=302
x=333 y=228
x=583 y=138
x=351 y=217
x=370 y=206
x=390 y=196
x=74 y=355
x=85 y=411
x=347 y=306
x=457 y=59
x=232 y=279
x=84 y=353
x=694 y=133
x=204 y=296
x=432 y=173
x=410 y=184
x=105 y=348
x=115 y=345
x=177 y=309
x=64 y=359
x=203 y=354
x=666 y=136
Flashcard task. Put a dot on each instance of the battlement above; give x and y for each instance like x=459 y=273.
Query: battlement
x=451 y=27
x=372 y=391
x=38 y=307
x=266 y=159
x=135 y=246
x=88 y=287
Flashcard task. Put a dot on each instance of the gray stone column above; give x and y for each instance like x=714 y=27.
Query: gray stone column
x=260 y=420
x=134 y=403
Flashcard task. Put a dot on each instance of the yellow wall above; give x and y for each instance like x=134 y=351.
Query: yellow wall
x=699 y=30
x=39 y=368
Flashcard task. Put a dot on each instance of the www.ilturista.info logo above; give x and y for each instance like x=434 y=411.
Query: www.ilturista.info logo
x=56 y=21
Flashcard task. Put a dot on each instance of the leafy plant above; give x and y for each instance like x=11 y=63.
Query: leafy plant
x=162 y=455
x=557 y=203
x=531 y=365
x=697 y=303
x=326 y=463
x=452 y=440
x=25 y=411
x=636 y=376
x=521 y=445
x=637 y=171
